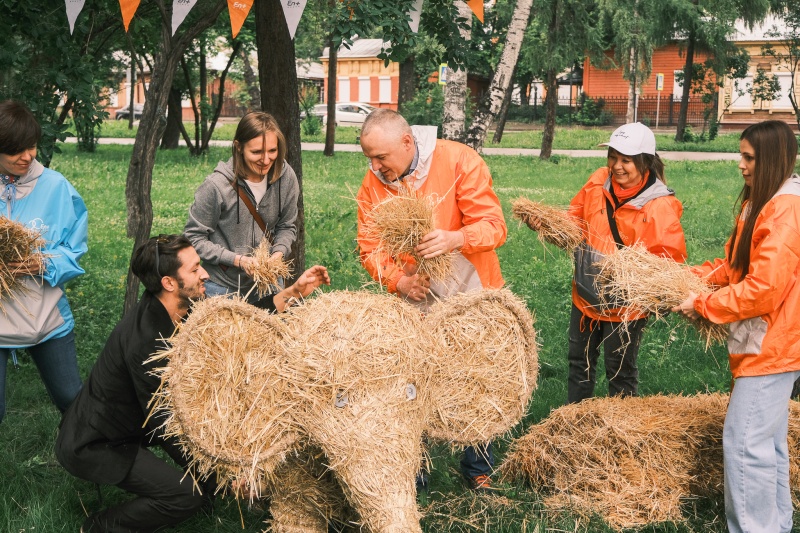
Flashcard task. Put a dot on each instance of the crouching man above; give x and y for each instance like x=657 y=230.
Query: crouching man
x=105 y=434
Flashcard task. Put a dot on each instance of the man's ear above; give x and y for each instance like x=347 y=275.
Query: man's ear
x=169 y=284
x=408 y=141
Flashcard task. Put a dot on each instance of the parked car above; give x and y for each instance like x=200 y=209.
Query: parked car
x=347 y=113
x=124 y=113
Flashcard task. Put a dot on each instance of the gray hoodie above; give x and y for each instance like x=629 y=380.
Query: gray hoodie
x=221 y=227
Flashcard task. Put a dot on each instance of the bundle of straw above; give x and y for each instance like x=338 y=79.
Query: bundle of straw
x=268 y=270
x=399 y=223
x=651 y=284
x=484 y=363
x=631 y=460
x=219 y=389
x=18 y=244
x=552 y=224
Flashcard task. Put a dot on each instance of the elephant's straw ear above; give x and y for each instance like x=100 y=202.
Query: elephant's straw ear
x=483 y=365
x=223 y=393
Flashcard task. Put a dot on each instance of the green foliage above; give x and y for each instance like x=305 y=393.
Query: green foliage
x=427 y=107
x=591 y=112
x=786 y=49
x=312 y=124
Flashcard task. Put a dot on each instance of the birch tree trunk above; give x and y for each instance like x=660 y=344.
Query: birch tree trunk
x=455 y=91
x=503 y=74
x=631 y=86
x=151 y=127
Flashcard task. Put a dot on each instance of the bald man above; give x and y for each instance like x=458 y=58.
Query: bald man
x=469 y=223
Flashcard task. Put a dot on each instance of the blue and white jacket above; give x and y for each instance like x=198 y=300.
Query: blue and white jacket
x=44 y=200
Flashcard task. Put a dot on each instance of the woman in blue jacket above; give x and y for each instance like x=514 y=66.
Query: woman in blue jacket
x=39 y=318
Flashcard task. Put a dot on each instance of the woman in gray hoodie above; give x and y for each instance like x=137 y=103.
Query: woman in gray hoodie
x=251 y=196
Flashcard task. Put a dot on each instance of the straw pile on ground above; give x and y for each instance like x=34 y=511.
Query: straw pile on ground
x=486 y=359
x=268 y=270
x=18 y=244
x=218 y=390
x=552 y=225
x=651 y=284
x=633 y=461
x=399 y=223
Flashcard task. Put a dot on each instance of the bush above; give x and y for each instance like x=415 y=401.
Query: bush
x=591 y=113
x=312 y=124
x=426 y=108
x=525 y=113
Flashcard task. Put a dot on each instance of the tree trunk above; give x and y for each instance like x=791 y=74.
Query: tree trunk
x=220 y=96
x=172 y=134
x=408 y=82
x=502 y=78
x=279 y=97
x=455 y=91
x=204 y=100
x=688 y=71
x=631 y=86
x=330 y=128
x=251 y=80
x=551 y=104
x=501 y=117
x=151 y=126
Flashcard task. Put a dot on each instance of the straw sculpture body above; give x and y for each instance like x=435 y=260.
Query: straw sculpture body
x=634 y=461
x=551 y=224
x=399 y=223
x=18 y=244
x=358 y=376
x=268 y=270
x=651 y=284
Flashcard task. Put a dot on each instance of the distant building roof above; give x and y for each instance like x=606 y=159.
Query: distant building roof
x=360 y=48
x=758 y=33
x=310 y=70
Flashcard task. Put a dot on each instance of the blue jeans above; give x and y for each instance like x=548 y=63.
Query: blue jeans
x=755 y=449
x=57 y=361
x=477 y=461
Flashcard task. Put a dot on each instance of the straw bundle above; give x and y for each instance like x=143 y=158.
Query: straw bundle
x=399 y=223
x=224 y=381
x=551 y=224
x=18 y=244
x=652 y=284
x=268 y=270
x=484 y=362
x=631 y=460
x=365 y=398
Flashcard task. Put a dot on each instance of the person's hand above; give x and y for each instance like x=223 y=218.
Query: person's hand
x=439 y=242
x=241 y=489
x=276 y=255
x=247 y=264
x=687 y=307
x=311 y=279
x=20 y=269
x=415 y=287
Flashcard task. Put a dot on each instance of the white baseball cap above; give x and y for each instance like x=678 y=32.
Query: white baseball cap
x=632 y=139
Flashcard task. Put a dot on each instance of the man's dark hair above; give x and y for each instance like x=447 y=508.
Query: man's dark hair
x=19 y=129
x=156 y=258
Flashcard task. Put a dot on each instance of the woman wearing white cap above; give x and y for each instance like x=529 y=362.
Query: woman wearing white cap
x=624 y=203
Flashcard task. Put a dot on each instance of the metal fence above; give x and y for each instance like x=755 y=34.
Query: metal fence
x=661 y=111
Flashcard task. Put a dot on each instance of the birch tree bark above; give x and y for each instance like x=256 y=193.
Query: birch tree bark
x=503 y=75
x=631 y=86
x=455 y=91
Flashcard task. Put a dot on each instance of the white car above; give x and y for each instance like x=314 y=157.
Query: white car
x=347 y=113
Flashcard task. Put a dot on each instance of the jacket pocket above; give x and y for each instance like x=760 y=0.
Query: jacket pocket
x=30 y=315
x=586 y=270
x=747 y=335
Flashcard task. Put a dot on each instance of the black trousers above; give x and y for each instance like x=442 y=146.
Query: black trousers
x=164 y=498
x=620 y=343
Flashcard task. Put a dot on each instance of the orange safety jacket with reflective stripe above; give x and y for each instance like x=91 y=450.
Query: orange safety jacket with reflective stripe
x=458 y=177
x=652 y=218
x=763 y=309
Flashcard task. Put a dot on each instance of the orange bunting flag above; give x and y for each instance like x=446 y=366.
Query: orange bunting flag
x=129 y=8
x=477 y=7
x=238 y=10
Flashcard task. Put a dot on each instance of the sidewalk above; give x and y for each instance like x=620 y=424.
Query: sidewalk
x=530 y=152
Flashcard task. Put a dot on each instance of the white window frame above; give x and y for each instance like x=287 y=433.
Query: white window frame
x=364 y=89
x=385 y=89
x=343 y=90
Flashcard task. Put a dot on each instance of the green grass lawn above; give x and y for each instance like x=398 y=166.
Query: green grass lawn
x=566 y=138
x=39 y=496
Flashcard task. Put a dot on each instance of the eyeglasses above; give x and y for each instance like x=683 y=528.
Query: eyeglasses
x=161 y=239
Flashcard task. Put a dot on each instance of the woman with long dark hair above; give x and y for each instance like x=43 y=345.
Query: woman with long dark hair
x=760 y=299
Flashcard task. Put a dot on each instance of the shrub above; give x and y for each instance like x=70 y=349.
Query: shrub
x=426 y=108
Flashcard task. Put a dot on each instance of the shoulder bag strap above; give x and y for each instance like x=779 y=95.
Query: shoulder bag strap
x=612 y=223
x=250 y=207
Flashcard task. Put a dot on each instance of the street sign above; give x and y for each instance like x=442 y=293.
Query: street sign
x=443 y=74
x=659 y=82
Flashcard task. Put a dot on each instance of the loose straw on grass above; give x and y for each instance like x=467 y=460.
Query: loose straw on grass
x=268 y=270
x=651 y=284
x=399 y=223
x=18 y=244
x=552 y=225
x=634 y=461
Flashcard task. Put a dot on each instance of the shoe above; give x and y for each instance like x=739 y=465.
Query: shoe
x=480 y=483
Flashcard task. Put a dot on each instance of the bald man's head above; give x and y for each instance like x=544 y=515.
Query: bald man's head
x=387 y=140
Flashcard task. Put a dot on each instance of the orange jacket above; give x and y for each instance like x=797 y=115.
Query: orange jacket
x=458 y=176
x=764 y=307
x=653 y=218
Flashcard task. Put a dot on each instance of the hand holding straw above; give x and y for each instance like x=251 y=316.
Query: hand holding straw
x=553 y=225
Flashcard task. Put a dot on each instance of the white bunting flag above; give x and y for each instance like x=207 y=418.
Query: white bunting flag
x=74 y=8
x=292 y=11
x=180 y=8
x=416 y=11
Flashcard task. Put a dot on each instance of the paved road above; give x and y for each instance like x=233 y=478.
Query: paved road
x=531 y=152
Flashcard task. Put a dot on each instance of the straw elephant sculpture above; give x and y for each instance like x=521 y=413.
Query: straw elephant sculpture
x=325 y=407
